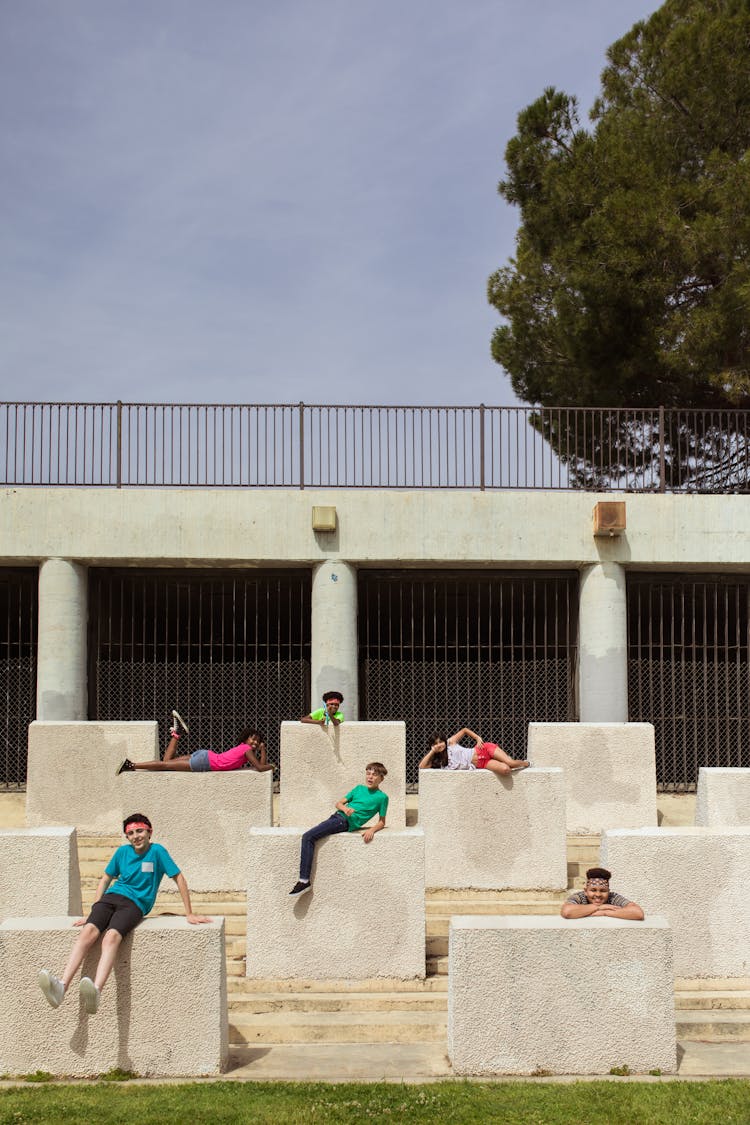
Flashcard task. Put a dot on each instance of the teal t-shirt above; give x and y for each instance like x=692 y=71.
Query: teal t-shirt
x=137 y=877
x=366 y=804
x=320 y=713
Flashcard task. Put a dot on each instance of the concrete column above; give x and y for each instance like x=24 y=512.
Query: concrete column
x=61 y=687
x=603 y=650
x=334 y=634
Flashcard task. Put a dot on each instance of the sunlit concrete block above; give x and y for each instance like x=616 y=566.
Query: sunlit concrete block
x=203 y=819
x=163 y=1011
x=493 y=832
x=566 y=997
x=723 y=797
x=72 y=771
x=610 y=771
x=697 y=877
x=364 y=917
x=39 y=872
x=319 y=766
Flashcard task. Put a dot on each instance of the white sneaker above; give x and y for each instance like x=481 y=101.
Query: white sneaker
x=90 y=995
x=52 y=987
x=177 y=718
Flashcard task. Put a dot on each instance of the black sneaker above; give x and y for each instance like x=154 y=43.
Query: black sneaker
x=126 y=766
x=299 y=888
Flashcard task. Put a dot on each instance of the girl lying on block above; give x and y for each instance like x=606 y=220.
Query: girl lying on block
x=447 y=754
x=250 y=751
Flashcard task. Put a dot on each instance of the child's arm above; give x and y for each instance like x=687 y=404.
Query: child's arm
x=368 y=833
x=462 y=733
x=182 y=887
x=262 y=756
x=310 y=719
x=100 y=890
x=342 y=806
x=261 y=766
x=427 y=760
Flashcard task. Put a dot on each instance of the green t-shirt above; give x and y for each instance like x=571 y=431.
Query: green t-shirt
x=320 y=713
x=366 y=804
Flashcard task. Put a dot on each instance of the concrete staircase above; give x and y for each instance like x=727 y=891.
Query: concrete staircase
x=263 y=1014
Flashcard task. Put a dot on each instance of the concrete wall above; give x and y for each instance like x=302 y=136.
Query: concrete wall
x=365 y=916
x=723 y=797
x=319 y=766
x=163 y=1011
x=493 y=832
x=697 y=877
x=203 y=819
x=72 y=772
x=567 y=997
x=610 y=771
x=39 y=872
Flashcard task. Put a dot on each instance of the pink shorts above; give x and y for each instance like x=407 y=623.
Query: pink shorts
x=484 y=752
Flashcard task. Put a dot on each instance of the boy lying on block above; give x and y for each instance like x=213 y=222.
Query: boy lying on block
x=137 y=868
x=352 y=812
x=597 y=901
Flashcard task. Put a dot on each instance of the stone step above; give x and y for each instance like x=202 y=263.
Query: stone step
x=718 y=1027
x=703 y=1000
x=260 y=1003
x=453 y=901
x=247 y=986
x=338 y=1027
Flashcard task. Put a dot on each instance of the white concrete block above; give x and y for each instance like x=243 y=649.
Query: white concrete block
x=72 y=771
x=492 y=832
x=610 y=771
x=567 y=997
x=163 y=1011
x=723 y=797
x=202 y=819
x=697 y=877
x=319 y=766
x=39 y=872
x=364 y=917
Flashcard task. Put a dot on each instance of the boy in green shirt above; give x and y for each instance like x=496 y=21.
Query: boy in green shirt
x=352 y=812
x=329 y=713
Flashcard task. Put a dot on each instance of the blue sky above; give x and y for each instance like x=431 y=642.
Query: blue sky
x=255 y=202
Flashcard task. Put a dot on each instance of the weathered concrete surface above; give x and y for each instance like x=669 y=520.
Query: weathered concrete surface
x=364 y=917
x=203 y=819
x=697 y=878
x=318 y=767
x=610 y=771
x=569 y=997
x=723 y=797
x=492 y=832
x=39 y=872
x=72 y=772
x=603 y=644
x=61 y=657
x=333 y=623
x=163 y=1011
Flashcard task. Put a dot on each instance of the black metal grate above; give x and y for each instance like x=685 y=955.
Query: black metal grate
x=492 y=651
x=228 y=650
x=18 y=647
x=689 y=670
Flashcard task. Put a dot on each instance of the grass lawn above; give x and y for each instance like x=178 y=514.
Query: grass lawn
x=581 y=1103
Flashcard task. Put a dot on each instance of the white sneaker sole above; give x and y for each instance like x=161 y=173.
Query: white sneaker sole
x=177 y=718
x=90 y=995
x=47 y=984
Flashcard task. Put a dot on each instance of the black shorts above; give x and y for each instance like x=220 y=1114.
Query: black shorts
x=115 y=912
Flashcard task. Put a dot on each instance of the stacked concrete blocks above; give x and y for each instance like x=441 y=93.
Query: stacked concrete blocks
x=564 y=997
x=319 y=766
x=203 y=819
x=494 y=833
x=163 y=1011
x=697 y=877
x=723 y=797
x=39 y=872
x=364 y=917
x=610 y=771
x=72 y=772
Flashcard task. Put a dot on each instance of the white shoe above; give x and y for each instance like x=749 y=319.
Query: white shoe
x=90 y=995
x=177 y=718
x=52 y=987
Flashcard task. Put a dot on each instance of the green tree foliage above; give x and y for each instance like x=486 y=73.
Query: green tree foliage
x=630 y=285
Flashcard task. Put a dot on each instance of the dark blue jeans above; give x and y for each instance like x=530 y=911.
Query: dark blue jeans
x=335 y=823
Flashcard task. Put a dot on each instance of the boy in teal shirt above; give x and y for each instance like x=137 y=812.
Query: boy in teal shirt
x=329 y=713
x=353 y=811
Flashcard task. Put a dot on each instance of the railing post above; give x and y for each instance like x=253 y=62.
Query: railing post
x=302 y=445
x=119 y=444
x=662 y=454
x=481 y=446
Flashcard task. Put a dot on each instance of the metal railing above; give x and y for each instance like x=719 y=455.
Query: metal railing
x=300 y=445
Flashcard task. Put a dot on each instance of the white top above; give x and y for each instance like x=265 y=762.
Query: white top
x=459 y=757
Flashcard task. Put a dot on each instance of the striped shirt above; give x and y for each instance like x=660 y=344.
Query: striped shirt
x=580 y=899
